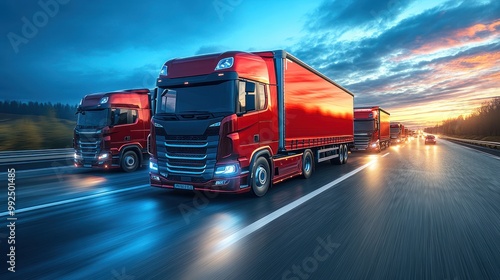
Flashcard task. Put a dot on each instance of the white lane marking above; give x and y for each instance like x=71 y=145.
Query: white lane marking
x=22 y=210
x=476 y=150
x=43 y=169
x=386 y=155
x=235 y=237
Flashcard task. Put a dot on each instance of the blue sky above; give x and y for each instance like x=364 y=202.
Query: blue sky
x=423 y=61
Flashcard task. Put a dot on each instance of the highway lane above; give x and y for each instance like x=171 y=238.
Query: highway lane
x=433 y=214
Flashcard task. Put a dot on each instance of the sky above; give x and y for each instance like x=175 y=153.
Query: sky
x=423 y=61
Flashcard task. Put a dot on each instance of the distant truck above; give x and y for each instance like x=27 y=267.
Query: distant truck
x=238 y=122
x=397 y=133
x=112 y=130
x=371 y=129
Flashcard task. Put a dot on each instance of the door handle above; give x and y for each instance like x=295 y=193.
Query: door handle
x=256 y=138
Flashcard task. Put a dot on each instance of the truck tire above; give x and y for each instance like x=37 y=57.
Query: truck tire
x=129 y=161
x=346 y=154
x=307 y=164
x=260 y=177
x=340 y=159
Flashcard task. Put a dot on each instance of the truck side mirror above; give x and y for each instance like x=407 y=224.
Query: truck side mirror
x=250 y=102
x=114 y=118
x=249 y=87
x=154 y=96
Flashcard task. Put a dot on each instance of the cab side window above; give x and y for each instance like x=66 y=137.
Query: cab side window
x=260 y=97
x=123 y=116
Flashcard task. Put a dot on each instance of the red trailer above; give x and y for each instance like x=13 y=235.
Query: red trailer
x=237 y=122
x=112 y=130
x=371 y=128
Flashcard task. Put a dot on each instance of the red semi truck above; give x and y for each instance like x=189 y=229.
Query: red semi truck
x=238 y=122
x=112 y=130
x=397 y=133
x=371 y=129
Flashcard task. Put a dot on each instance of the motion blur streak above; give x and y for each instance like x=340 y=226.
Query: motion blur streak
x=235 y=237
x=73 y=200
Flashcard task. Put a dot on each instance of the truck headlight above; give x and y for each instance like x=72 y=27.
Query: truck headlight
x=230 y=169
x=374 y=145
x=153 y=166
x=103 y=156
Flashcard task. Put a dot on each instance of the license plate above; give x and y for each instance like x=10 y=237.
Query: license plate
x=87 y=165
x=183 y=187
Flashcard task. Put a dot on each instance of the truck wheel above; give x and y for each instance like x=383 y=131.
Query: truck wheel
x=307 y=164
x=260 y=177
x=346 y=154
x=340 y=159
x=129 y=161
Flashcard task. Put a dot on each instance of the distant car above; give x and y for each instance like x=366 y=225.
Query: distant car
x=430 y=139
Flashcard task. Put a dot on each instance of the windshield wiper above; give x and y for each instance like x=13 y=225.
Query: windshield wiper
x=196 y=114
x=167 y=116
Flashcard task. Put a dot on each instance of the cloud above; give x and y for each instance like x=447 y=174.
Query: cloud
x=207 y=49
x=429 y=57
x=342 y=15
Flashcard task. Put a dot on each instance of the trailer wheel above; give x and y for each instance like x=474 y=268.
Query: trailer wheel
x=307 y=164
x=340 y=159
x=260 y=177
x=129 y=161
x=346 y=154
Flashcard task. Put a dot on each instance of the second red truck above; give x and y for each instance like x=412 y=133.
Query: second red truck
x=371 y=129
x=238 y=122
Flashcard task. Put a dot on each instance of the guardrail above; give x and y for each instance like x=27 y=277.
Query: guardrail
x=35 y=155
x=489 y=144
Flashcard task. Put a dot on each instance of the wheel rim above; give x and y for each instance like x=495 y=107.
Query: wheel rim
x=341 y=153
x=345 y=153
x=260 y=176
x=130 y=161
x=307 y=164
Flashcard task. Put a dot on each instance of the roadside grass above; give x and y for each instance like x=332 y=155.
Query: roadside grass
x=28 y=132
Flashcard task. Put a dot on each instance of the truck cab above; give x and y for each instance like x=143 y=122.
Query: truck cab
x=397 y=133
x=112 y=130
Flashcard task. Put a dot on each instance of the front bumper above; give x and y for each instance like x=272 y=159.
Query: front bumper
x=106 y=163
x=237 y=184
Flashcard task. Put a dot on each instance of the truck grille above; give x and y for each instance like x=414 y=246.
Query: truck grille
x=189 y=158
x=361 y=141
x=89 y=146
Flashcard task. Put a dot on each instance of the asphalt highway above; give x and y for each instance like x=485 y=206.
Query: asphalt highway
x=410 y=212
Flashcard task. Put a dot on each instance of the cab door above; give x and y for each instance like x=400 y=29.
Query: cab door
x=248 y=123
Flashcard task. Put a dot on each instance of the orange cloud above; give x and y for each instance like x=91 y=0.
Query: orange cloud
x=473 y=30
x=461 y=37
x=484 y=61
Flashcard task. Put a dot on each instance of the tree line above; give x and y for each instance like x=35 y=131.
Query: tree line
x=484 y=122
x=58 y=110
x=34 y=125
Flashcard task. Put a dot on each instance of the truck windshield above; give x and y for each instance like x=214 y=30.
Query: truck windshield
x=364 y=126
x=394 y=130
x=93 y=118
x=213 y=98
